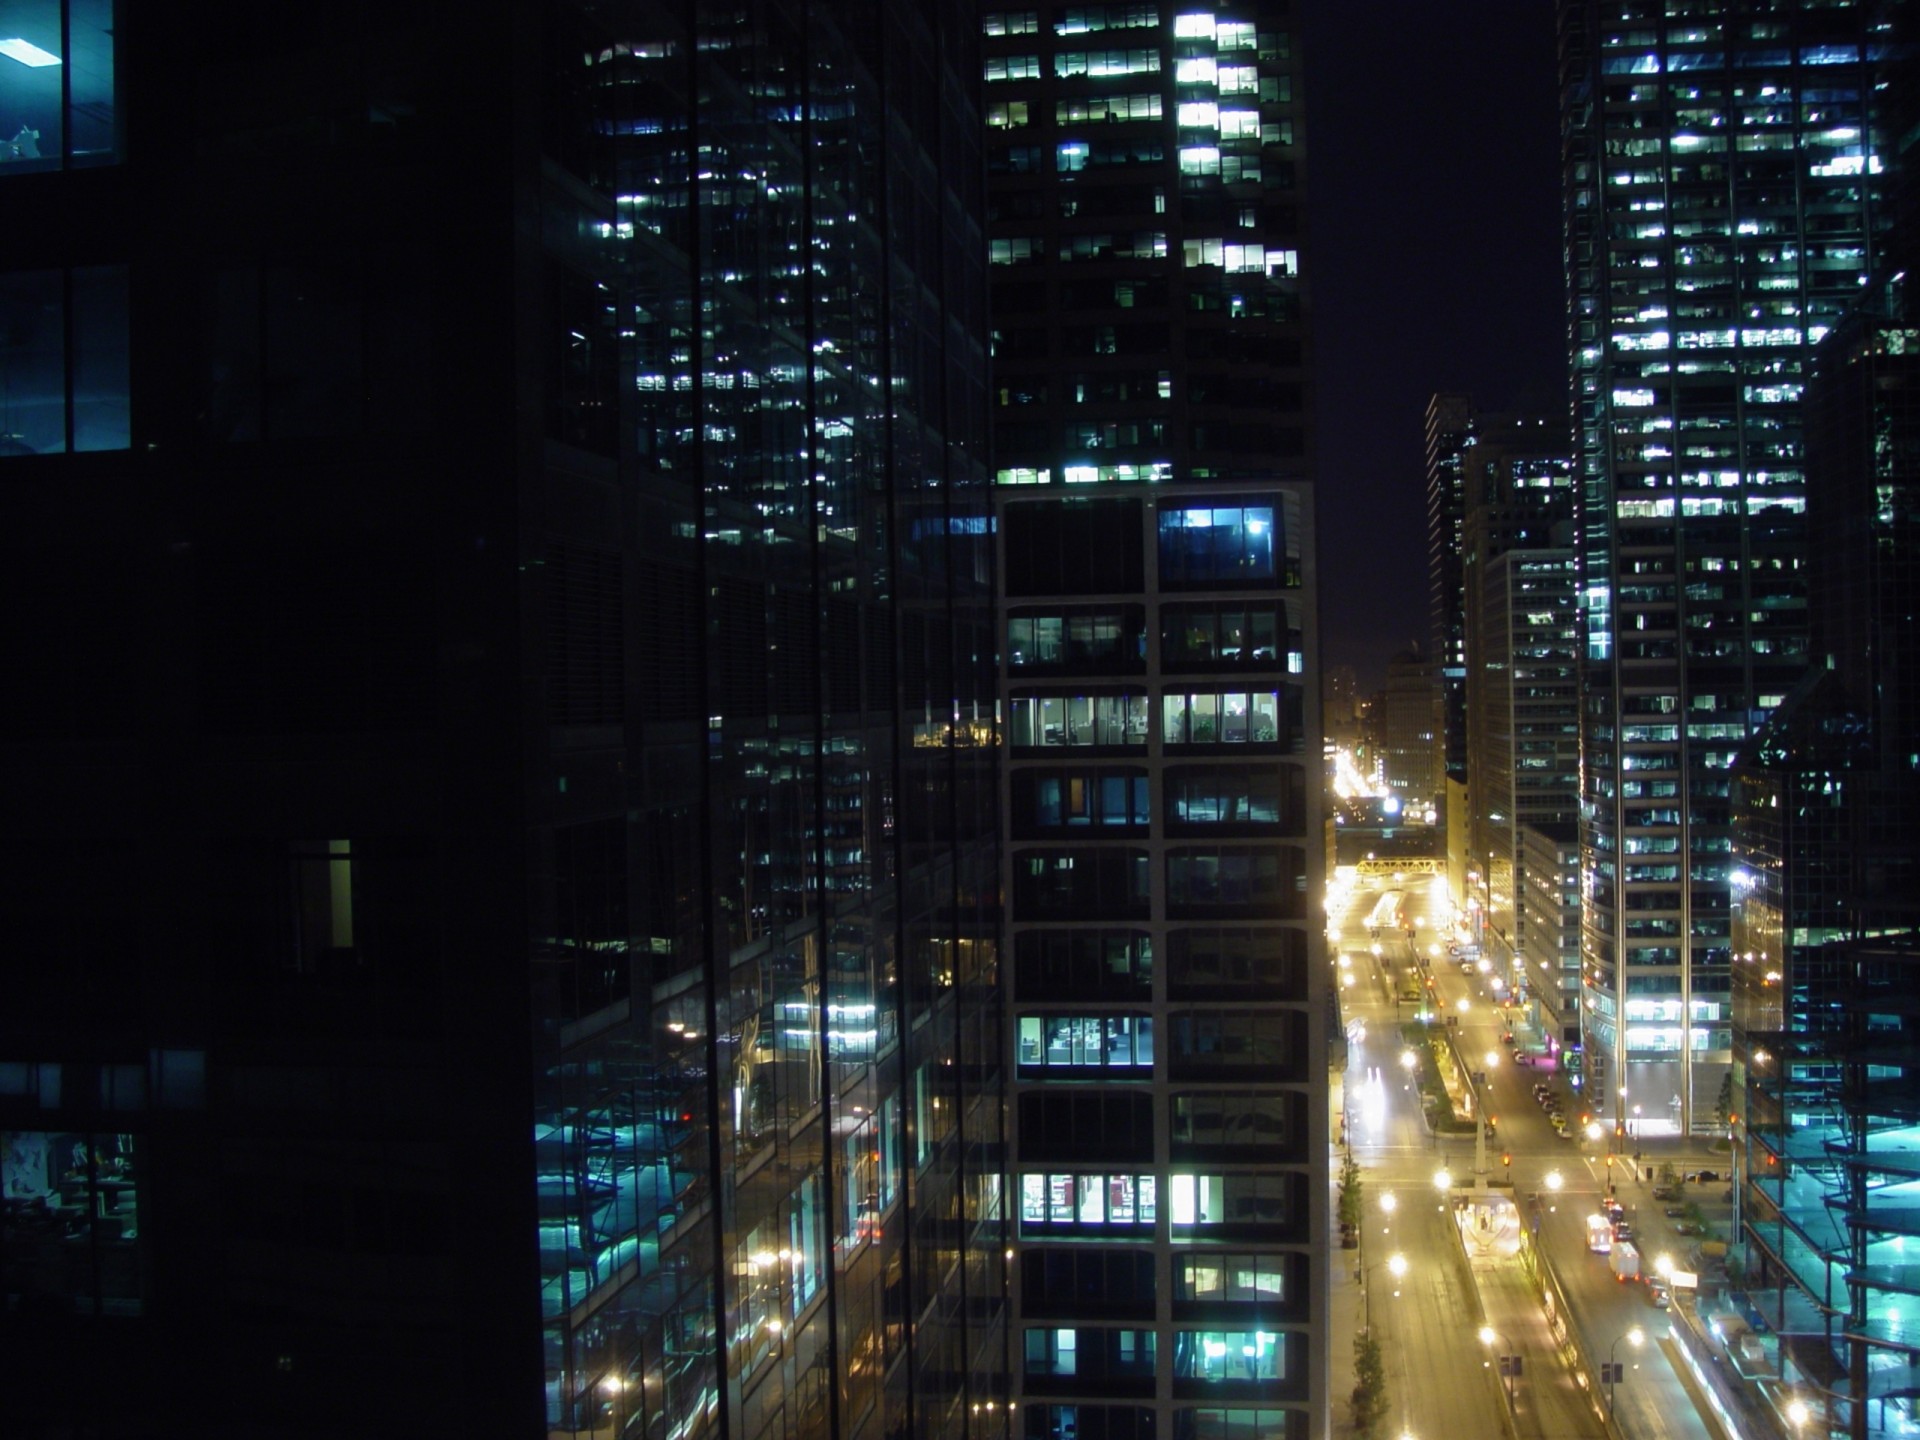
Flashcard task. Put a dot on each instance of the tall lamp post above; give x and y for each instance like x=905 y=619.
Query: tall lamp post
x=1507 y=1357
x=1613 y=1370
x=1396 y=1266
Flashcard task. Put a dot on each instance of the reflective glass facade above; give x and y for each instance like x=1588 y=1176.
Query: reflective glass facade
x=1164 y=853
x=510 y=827
x=1720 y=201
x=1825 y=954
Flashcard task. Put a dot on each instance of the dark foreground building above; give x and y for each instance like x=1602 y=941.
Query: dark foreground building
x=1165 y=844
x=499 y=851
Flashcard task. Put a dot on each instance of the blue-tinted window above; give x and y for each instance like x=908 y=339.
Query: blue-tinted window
x=70 y=1206
x=1214 y=545
x=48 y=317
x=57 y=100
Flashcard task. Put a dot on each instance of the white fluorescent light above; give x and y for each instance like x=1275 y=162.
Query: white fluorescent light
x=27 y=53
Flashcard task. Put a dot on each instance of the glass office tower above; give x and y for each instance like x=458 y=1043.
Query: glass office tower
x=501 y=849
x=1164 y=859
x=1719 y=219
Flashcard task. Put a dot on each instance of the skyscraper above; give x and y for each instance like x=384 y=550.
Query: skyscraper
x=1151 y=460
x=1719 y=219
x=1449 y=435
x=501 y=832
x=1522 y=713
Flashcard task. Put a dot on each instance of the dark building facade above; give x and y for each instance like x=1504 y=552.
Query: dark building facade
x=1450 y=426
x=1522 y=711
x=1164 y=843
x=500 y=880
x=1720 y=217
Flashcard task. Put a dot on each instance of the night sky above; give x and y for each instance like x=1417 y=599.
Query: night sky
x=1433 y=260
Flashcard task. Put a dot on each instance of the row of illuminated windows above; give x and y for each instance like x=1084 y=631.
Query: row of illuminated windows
x=1707 y=506
x=1074 y=20
x=1221 y=1038
x=1188 y=717
x=1098 y=1353
x=1232 y=124
x=1766 y=57
x=1032 y=249
x=1068 y=63
x=1129 y=1202
x=58 y=100
x=1086 y=1041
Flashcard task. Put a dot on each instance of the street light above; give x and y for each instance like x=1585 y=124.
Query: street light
x=1798 y=1413
x=1508 y=1357
x=1442 y=1180
x=1613 y=1373
x=1396 y=1266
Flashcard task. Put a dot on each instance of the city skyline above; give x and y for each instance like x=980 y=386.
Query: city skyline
x=1448 y=113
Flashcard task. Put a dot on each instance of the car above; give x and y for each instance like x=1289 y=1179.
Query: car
x=1686 y=1227
x=1703 y=1177
x=1666 y=1192
x=1659 y=1294
x=1675 y=1212
x=1623 y=1230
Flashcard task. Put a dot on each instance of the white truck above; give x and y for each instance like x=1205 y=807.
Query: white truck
x=1624 y=1260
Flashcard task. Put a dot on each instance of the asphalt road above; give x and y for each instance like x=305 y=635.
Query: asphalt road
x=1438 y=1377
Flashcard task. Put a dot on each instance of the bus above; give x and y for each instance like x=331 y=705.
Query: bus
x=1599 y=1234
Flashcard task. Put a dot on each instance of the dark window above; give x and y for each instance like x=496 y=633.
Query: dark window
x=1051 y=801
x=1091 y=547
x=583 y=395
x=1246 y=797
x=1088 y=883
x=1267 y=879
x=1061 y=1281
x=1114 y=1125
x=1088 y=1422
x=1231 y=961
x=1230 y=1044
x=1075 y=641
x=1081 y=962
x=1233 y=1124
x=1232 y=636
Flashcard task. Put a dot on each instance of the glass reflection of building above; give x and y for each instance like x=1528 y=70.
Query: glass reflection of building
x=1823 y=1099
x=508 y=825
x=1164 y=853
x=1719 y=209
